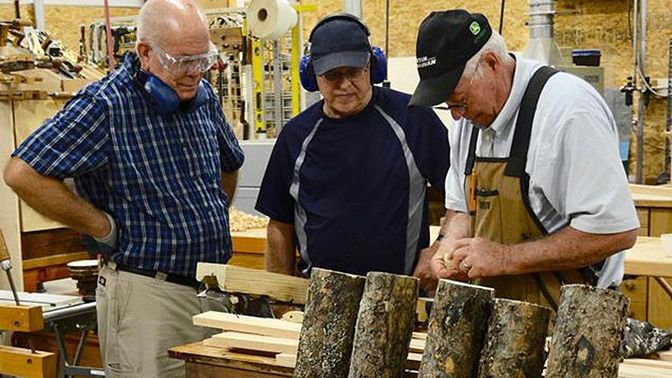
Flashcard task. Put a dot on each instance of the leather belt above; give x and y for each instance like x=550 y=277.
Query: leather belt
x=161 y=276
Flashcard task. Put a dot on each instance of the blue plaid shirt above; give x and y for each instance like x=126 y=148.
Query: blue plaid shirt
x=158 y=175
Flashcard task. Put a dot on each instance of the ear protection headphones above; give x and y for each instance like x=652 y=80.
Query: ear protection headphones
x=163 y=97
x=378 y=60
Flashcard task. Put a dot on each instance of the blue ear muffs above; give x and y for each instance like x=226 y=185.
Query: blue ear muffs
x=164 y=98
x=307 y=74
x=378 y=65
x=378 y=59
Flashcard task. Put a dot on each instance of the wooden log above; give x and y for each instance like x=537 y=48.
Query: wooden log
x=588 y=332
x=325 y=344
x=515 y=340
x=457 y=328
x=384 y=325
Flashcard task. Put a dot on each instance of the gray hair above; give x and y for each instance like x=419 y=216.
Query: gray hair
x=152 y=22
x=496 y=45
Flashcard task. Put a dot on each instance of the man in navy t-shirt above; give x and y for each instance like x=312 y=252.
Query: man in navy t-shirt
x=347 y=180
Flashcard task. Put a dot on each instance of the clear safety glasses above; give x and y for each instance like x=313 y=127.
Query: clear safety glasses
x=187 y=64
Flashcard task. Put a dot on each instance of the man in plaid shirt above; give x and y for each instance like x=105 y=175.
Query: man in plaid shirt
x=155 y=167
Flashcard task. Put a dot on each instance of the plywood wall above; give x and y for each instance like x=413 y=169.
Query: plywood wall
x=599 y=24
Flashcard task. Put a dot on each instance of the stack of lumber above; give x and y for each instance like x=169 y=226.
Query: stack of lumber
x=275 y=342
x=275 y=339
x=658 y=365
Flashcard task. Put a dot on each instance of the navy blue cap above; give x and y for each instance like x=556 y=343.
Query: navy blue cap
x=446 y=41
x=339 y=42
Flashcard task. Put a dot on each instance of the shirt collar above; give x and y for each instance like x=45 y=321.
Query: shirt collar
x=510 y=108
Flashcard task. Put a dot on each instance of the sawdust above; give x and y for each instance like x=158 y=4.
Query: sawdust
x=242 y=221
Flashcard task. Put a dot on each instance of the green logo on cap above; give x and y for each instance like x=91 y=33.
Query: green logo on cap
x=475 y=28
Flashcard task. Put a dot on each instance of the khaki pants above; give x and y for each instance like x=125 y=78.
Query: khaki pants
x=140 y=318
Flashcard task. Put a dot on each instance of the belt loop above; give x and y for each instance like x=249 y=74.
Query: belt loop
x=112 y=265
x=161 y=276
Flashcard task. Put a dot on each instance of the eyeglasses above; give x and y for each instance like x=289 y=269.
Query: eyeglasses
x=187 y=64
x=349 y=73
x=462 y=106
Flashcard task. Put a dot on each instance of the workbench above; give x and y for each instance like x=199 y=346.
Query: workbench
x=204 y=361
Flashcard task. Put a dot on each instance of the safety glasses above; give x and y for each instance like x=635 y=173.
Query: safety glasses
x=459 y=108
x=187 y=64
x=350 y=73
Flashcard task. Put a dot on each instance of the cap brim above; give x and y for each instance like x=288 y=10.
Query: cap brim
x=328 y=62
x=435 y=90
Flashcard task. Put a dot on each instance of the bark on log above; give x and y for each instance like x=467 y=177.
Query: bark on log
x=457 y=328
x=384 y=326
x=515 y=340
x=588 y=332
x=329 y=322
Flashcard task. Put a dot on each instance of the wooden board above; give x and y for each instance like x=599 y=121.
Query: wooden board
x=660 y=221
x=646 y=258
x=289 y=360
x=253 y=240
x=637 y=290
x=648 y=363
x=659 y=304
x=21 y=318
x=651 y=196
x=216 y=359
x=235 y=279
x=626 y=370
x=9 y=202
x=248 y=324
x=28 y=117
x=22 y=362
x=286 y=359
x=253 y=342
x=643 y=215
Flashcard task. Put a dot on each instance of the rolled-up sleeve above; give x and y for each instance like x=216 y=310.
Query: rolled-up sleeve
x=73 y=142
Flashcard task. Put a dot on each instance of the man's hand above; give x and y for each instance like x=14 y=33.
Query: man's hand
x=105 y=245
x=479 y=257
x=423 y=269
x=443 y=265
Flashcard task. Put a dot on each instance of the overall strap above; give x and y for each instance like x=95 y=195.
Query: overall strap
x=521 y=138
x=471 y=157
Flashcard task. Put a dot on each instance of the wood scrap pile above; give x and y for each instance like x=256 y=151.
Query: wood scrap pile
x=242 y=221
x=275 y=339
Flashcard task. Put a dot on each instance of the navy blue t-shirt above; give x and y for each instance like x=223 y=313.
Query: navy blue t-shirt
x=355 y=188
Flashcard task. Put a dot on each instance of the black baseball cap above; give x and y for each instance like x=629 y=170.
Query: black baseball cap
x=446 y=41
x=339 y=41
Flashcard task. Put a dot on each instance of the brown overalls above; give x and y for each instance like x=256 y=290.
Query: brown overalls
x=499 y=207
